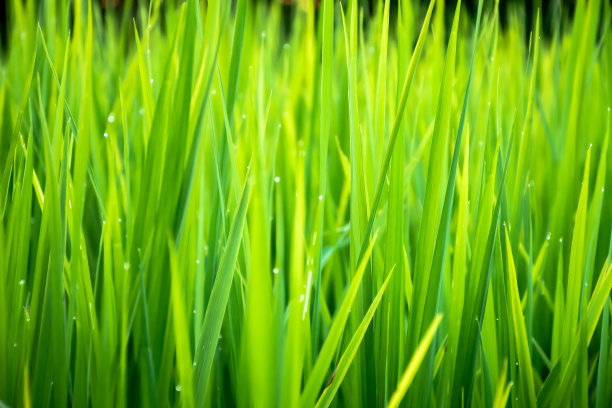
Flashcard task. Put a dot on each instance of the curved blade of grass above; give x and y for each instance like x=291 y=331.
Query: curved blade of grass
x=503 y=390
x=211 y=328
x=600 y=296
x=321 y=366
x=526 y=384
x=576 y=266
x=349 y=353
x=415 y=363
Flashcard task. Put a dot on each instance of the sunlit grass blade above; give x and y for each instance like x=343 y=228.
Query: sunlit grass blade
x=526 y=384
x=415 y=363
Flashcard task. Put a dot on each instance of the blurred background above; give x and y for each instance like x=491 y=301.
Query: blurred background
x=551 y=10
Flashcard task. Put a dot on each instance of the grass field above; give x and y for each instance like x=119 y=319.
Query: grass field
x=215 y=204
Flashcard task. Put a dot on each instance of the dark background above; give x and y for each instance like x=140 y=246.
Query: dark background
x=550 y=11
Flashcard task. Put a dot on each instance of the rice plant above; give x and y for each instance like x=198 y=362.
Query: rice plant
x=242 y=203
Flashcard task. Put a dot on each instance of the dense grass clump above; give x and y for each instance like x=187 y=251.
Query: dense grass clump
x=205 y=204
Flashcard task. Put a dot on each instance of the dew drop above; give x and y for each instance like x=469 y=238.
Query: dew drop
x=320 y=197
x=126 y=266
x=111 y=118
x=197 y=261
x=275 y=271
x=105 y=134
x=178 y=388
x=243 y=116
x=276 y=179
x=21 y=282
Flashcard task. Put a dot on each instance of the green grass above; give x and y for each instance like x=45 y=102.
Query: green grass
x=215 y=204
